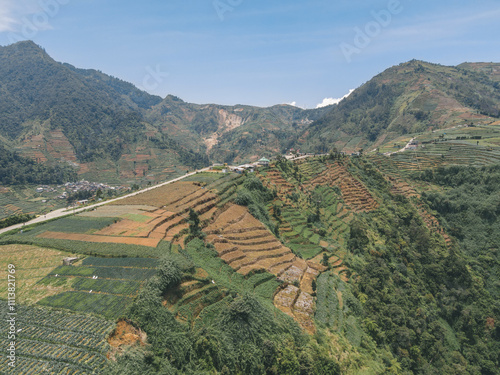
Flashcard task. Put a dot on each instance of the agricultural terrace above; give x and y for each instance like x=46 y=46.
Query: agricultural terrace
x=315 y=219
x=56 y=342
x=354 y=193
x=208 y=285
x=136 y=223
x=476 y=145
x=248 y=246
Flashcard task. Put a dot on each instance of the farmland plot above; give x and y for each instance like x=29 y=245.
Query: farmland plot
x=101 y=286
x=248 y=246
x=32 y=264
x=56 y=342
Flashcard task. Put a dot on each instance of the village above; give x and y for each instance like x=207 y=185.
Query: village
x=82 y=187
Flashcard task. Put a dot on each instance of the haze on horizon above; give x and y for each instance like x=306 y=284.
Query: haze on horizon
x=253 y=52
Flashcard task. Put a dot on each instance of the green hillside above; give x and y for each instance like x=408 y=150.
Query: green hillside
x=107 y=129
x=381 y=262
x=409 y=98
x=326 y=265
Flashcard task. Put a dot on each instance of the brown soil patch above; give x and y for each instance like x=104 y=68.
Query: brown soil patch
x=123 y=336
x=299 y=305
x=247 y=245
x=161 y=196
x=150 y=242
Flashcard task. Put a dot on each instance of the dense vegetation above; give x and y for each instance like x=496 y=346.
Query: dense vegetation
x=101 y=116
x=16 y=170
x=244 y=337
x=422 y=300
x=398 y=101
x=469 y=207
x=15 y=219
x=392 y=290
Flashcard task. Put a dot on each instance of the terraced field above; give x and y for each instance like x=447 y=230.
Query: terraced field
x=248 y=246
x=401 y=187
x=310 y=168
x=354 y=193
x=443 y=153
x=298 y=236
x=150 y=217
x=273 y=180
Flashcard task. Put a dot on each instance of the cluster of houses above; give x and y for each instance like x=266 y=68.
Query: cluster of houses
x=242 y=168
x=75 y=187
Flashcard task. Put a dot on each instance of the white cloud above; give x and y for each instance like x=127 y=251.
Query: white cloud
x=6 y=20
x=294 y=104
x=22 y=15
x=331 y=101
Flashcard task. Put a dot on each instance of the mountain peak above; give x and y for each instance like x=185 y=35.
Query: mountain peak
x=25 y=45
x=22 y=50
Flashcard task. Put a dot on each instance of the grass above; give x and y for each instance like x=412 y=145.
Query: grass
x=32 y=265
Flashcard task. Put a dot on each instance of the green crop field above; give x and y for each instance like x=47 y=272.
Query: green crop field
x=121 y=262
x=56 y=342
x=124 y=287
x=107 y=305
x=102 y=286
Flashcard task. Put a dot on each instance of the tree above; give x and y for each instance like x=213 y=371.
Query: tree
x=194 y=226
x=288 y=363
x=325 y=260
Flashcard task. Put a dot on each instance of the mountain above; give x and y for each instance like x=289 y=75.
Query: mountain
x=109 y=129
x=409 y=98
x=320 y=266
x=232 y=133
x=53 y=112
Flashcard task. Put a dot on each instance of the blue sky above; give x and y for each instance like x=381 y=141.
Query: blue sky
x=254 y=51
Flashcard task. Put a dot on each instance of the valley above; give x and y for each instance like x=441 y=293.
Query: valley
x=362 y=239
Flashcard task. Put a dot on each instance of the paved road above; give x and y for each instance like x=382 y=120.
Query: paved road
x=402 y=150
x=64 y=211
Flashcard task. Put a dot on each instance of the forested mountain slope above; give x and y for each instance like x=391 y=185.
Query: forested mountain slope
x=325 y=265
x=109 y=129
x=409 y=98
